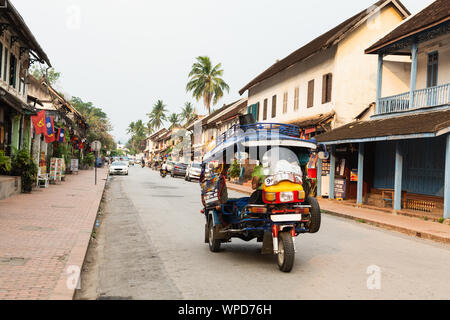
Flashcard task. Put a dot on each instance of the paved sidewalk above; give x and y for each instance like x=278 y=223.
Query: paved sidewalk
x=408 y=225
x=46 y=234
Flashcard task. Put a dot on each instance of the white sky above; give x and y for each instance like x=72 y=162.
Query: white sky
x=124 y=55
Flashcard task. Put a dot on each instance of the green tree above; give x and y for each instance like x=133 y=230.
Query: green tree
x=158 y=115
x=174 y=120
x=137 y=142
x=99 y=124
x=205 y=82
x=187 y=113
x=41 y=72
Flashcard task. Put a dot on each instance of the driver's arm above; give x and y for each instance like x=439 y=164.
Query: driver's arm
x=255 y=183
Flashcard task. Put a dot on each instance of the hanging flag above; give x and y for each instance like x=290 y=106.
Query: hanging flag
x=61 y=135
x=39 y=122
x=50 y=130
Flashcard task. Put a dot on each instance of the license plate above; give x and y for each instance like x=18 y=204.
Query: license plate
x=286 y=218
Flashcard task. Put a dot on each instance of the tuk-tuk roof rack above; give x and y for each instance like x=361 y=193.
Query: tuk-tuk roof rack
x=280 y=128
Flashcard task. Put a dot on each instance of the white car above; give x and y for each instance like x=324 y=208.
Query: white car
x=118 y=167
x=193 y=171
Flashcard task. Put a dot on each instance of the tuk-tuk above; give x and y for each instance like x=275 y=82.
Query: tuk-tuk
x=284 y=208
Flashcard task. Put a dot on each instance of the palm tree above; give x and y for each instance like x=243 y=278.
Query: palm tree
x=131 y=128
x=206 y=82
x=174 y=120
x=158 y=115
x=188 y=112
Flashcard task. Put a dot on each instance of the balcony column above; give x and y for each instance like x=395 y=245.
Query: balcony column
x=414 y=55
x=398 y=177
x=379 y=82
x=319 y=177
x=332 y=171
x=360 y=187
x=447 y=180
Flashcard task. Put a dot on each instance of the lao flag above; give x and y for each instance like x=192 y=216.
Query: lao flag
x=39 y=122
x=50 y=130
x=61 y=135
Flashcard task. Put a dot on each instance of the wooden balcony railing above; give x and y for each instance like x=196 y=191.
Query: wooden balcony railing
x=429 y=97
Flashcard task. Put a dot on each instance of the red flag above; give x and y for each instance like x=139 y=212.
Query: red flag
x=39 y=122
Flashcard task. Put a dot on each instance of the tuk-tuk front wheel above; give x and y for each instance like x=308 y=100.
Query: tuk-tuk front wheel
x=286 y=252
x=214 y=244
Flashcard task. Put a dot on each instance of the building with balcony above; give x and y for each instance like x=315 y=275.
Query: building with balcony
x=329 y=81
x=401 y=156
x=19 y=49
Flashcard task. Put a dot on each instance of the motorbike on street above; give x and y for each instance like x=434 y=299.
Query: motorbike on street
x=163 y=173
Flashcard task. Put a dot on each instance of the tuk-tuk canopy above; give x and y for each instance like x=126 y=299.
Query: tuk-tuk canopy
x=258 y=136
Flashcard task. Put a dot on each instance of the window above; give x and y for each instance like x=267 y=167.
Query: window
x=1 y=58
x=326 y=88
x=5 y=64
x=266 y=102
x=432 y=72
x=310 y=103
x=254 y=110
x=285 y=102
x=13 y=71
x=296 y=99
x=274 y=106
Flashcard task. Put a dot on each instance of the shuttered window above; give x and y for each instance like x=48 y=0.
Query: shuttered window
x=327 y=87
x=285 y=102
x=432 y=69
x=296 y=99
x=310 y=94
x=274 y=106
x=13 y=71
x=266 y=102
x=5 y=65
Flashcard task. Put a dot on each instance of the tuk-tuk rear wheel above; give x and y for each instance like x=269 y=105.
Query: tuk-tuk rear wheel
x=286 y=252
x=316 y=215
x=214 y=244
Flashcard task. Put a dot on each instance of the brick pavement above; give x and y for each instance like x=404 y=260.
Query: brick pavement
x=409 y=225
x=44 y=233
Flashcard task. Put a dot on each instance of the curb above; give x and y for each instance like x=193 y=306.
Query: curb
x=386 y=226
x=391 y=227
x=78 y=253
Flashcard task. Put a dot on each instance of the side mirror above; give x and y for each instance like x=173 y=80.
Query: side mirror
x=323 y=155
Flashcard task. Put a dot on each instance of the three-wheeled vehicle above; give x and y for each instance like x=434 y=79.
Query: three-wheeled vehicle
x=284 y=208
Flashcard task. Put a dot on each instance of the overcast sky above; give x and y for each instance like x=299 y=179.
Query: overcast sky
x=124 y=55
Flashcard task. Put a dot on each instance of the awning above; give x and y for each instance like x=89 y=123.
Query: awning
x=426 y=124
x=313 y=121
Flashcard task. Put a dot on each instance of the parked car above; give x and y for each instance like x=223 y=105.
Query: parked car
x=118 y=167
x=193 y=171
x=179 y=169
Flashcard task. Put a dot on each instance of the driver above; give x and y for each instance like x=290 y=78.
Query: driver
x=164 y=166
x=258 y=177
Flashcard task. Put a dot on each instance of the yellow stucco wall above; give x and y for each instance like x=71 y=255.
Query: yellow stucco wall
x=354 y=76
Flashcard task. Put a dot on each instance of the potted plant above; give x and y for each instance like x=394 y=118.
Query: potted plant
x=5 y=163
x=23 y=165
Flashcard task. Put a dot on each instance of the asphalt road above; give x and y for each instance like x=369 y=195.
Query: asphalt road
x=152 y=248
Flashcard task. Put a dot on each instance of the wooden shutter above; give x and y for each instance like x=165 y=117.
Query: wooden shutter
x=265 y=109
x=274 y=106
x=296 y=99
x=326 y=88
x=310 y=94
x=285 y=102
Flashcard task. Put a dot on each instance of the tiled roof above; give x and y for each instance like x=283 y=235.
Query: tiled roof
x=323 y=42
x=418 y=123
x=436 y=13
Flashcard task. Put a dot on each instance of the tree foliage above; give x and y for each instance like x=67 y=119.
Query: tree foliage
x=205 y=82
x=158 y=115
x=40 y=72
x=99 y=124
